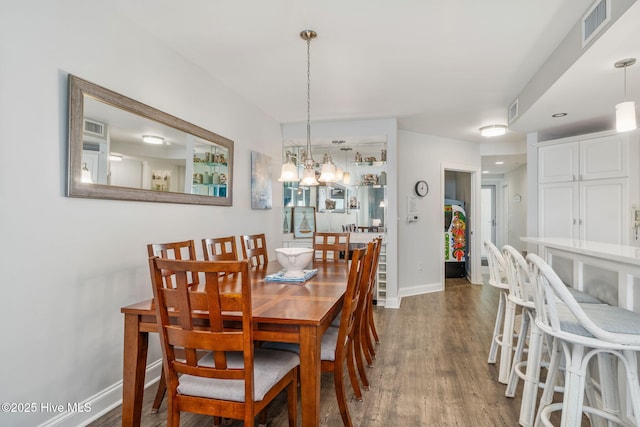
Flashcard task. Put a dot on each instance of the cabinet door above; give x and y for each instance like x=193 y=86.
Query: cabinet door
x=558 y=210
x=602 y=158
x=604 y=211
x=558 y=163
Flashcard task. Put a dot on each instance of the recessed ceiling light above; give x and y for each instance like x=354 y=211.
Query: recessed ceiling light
x=493 y=130
x=556 y=115
x=500 y=163
x=485 y=171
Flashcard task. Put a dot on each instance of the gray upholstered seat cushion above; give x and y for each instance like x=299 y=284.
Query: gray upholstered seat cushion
x=269 y=368
x=583 y=297
x=607 y=317
x=327 y=351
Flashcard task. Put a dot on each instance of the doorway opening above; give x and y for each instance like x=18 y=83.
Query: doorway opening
x=487 y=218
x=460 y=207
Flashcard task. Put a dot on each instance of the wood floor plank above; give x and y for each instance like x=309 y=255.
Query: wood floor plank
x=431 y=369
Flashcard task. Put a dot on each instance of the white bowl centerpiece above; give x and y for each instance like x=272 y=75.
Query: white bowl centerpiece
x=294 y=260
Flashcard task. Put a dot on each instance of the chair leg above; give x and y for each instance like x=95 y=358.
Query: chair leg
x=574 y=388
x=359 y=351
x=262 y=418
x=493 y=351
x=551 y=379
x=633 y=385
x=517 y=358
x=370 y=321
x=351 y=367
x=530 y=387
x=507 y=342
x=292 y=401
x=162 y=390
x=341 y=394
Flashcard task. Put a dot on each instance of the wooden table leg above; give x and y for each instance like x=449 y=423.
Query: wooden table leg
x=310 y=340
x=136 y=344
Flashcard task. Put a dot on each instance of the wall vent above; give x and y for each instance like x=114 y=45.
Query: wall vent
x=513 y=111
x=94 y=128
x=595 y=19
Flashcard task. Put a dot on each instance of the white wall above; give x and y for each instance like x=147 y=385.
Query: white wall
x=67 y=264
x=420 y=157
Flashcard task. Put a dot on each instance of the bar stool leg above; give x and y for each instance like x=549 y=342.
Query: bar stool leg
x=493 y=351
x=517 y=358
x=506 y=352
x=532 y=377
x=574 y=387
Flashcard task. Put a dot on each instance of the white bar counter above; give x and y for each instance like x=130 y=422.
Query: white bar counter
x=608 y=271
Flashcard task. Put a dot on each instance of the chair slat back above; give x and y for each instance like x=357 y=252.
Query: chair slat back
x=254 y=248
x=350 y=305
x=518 y=275
x=183 y=250
x=329 y=246
x=193 y=320
x=220 y=249
x=497 y=266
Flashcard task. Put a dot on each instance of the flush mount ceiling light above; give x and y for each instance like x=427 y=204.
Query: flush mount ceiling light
x=309 y=174
x=625 y=111
x=151 y=139
x=493 y=130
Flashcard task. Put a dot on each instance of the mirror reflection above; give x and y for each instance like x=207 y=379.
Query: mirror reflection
x=122 y=149
x=356 y=199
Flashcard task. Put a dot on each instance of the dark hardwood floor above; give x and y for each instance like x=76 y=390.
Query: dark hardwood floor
x=431 y=369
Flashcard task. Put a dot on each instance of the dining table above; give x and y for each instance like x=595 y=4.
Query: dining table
x=291 y=312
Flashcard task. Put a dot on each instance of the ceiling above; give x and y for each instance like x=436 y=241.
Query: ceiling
x=441 y=68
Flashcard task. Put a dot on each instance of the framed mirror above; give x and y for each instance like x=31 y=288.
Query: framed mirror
x=122 y=149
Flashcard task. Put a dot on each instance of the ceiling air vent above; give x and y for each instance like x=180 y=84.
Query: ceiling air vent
x=513 y=111
x=595 y=19
x=94 y=128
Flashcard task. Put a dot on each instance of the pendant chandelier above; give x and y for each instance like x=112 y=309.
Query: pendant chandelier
x=625 y=111
x=309 y=174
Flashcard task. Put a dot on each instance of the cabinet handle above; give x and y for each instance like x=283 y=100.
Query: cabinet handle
x=574 y=177
x=580 y=221
x=580 y=177
x=574 y=221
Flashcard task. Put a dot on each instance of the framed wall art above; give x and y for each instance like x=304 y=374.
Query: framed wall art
x=261 y=192
x=304 y=222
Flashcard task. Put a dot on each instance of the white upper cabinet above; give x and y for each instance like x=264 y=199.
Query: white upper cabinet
x=558 y=163
x=602 y=158
x=597 y=158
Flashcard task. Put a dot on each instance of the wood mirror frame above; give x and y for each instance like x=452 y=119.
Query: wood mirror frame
x=185 y=138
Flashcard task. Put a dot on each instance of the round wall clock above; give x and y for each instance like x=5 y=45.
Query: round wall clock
x=422 y=188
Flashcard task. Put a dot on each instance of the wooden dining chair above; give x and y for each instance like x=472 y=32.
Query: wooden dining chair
x=254 y=248
x=183 y=250
x=338 y=345
x=220 y=249
x=234 y=379
x=364 y=345
x=331 y=246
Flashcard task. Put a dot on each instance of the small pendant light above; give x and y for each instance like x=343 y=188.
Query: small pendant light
x=625 y=111
x=309 y=174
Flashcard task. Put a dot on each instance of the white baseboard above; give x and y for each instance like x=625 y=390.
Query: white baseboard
x=421 y=289
x=100 y=403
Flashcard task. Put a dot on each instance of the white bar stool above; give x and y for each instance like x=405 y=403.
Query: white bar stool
x=580 y=332
x=505 y=316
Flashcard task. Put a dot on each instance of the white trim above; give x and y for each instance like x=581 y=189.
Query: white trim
x=427 y=288
x=101 y=402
